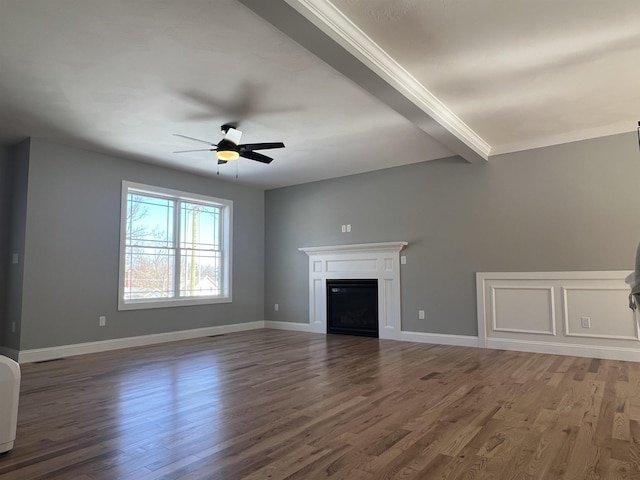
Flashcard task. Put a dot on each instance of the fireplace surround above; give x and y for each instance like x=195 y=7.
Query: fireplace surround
x=380 y=261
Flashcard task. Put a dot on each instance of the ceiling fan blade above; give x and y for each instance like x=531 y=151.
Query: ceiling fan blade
x=195 y=139
x=233 y=135
x=198 y=150
x=260 y=146
x=258 y=157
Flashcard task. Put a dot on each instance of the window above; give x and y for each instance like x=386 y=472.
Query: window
x=175 y=248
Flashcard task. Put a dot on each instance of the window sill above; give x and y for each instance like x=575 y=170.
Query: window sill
x=143 y=304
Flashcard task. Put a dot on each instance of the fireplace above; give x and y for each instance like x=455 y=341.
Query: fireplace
x=374 y=261
x=352 y=307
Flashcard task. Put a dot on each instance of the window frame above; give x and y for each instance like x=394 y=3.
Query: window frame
x=226 y=226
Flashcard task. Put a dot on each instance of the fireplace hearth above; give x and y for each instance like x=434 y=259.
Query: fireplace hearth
x=352 y=307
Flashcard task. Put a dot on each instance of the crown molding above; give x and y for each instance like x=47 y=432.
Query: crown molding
x=334 y=23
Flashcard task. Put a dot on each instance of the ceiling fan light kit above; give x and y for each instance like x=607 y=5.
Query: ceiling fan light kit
x=227 y=155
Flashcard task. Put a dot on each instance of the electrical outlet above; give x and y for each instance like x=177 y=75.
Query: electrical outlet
x=276 y=307
x=102 y=321
x=344 y=228
x=421 y=314
x=14 y=259
x=348 y=228
x=586 y=322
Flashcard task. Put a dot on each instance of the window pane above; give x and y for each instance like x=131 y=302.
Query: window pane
x=200 y=226
x=149 y=221
x=199 y=273
x=148 y=273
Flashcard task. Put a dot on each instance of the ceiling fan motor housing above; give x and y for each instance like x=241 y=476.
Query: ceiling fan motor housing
x=225 y=144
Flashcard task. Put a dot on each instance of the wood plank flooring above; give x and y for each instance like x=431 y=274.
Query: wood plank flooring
x=269 y=404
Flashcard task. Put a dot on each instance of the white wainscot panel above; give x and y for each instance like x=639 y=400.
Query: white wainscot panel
x=582 y=313
x=520 y=309
x=605 y=310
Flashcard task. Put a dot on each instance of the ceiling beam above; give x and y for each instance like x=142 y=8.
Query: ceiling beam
x=320 y=28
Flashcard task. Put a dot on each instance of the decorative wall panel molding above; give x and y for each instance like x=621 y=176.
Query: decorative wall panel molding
x=595 y=304
x=523 y=309
x=555 y=312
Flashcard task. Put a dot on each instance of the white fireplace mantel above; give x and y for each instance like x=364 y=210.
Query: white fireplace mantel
x=364 y=260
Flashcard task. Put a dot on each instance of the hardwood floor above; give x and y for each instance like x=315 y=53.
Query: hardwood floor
x=269 y=404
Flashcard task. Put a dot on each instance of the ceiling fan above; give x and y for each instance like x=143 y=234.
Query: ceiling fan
x=230 y=148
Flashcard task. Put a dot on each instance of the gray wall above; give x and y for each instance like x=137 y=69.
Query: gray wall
x=72 y=248
x=567 y=207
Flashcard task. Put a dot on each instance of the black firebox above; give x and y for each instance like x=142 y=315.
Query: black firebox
x=352 y=307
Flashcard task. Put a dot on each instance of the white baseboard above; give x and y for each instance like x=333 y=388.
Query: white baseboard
x=296 y=327
x=9 y=352
x=590 y=351
x=50 y=353
x=439 y=338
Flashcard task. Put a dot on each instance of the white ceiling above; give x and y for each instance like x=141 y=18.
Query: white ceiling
x=390 y=83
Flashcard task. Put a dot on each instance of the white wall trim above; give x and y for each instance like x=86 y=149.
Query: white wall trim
x=51 y=353
x=567 y=327
x=439 y=339
x=296 y=327
x=615 y=341
x=380 y=261
x=552 y=308
x=575 y=275
x=226 y=256
x=480 y=309
x=554 y=348
x=355 y=248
